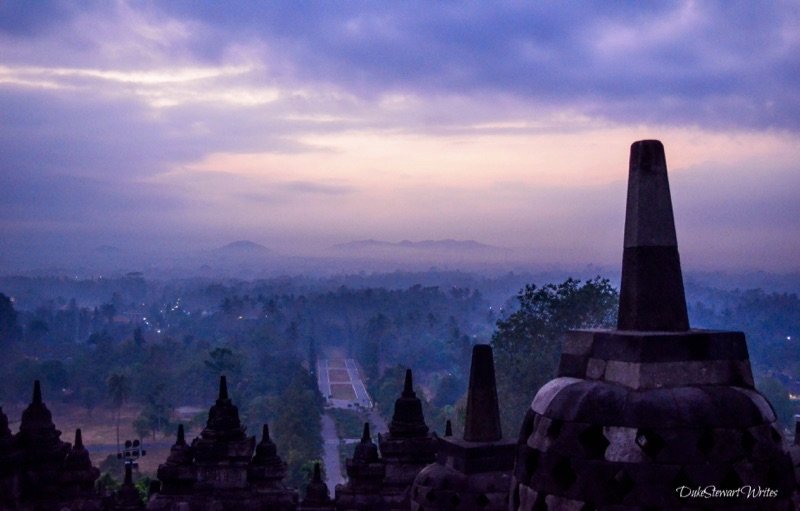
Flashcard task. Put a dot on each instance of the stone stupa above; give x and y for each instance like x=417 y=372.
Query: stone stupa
x=654 y=413
x=473 y=472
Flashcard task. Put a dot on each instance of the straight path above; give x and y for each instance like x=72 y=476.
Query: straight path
x=362 y=397
x=323 y=378
x=330 y=457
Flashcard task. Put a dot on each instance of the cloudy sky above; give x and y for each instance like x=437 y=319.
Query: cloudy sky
x=299 y=125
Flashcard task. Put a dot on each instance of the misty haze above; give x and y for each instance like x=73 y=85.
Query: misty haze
x=408 y=256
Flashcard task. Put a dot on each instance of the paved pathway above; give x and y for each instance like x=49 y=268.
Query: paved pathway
x=359 y=389
x=323 y=378
x=333 y=468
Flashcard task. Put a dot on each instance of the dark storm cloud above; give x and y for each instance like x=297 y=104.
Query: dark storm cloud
x=83 y=134
x=704 y=63
x=98 y=202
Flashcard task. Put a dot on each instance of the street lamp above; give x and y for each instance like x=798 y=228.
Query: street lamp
x=132 y=452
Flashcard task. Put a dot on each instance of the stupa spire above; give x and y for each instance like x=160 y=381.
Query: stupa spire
x=408 y=420
x=651 y=292
x=223 y=388
x=408 y=385
x=482 y=422
x=37 y=393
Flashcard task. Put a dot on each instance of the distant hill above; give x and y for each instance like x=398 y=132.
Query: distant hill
x=244 y=247
x=438 y=245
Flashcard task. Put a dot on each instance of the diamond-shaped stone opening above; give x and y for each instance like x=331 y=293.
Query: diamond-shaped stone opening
x=650 y=442
x=482 y=500
x=705 y=444
x=594 y=442
x=563 y=474
x=748 y=442
x=554 y=429
x=620 y=485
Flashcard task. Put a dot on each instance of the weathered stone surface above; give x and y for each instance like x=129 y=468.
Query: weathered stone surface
x=365 y=475
x=468 y=473
x=40 y=472
x=223 y=468
x=406 y=449
x=543 y=399
x=651 y=292
x=78 y=475
x=483 y=412
x=657 y=406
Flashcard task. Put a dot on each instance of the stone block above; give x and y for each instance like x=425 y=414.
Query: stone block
x=541 y=402
x=572 y=365
x=763 y=406
x=596 y=369
x=624 y=373
x=578 y=342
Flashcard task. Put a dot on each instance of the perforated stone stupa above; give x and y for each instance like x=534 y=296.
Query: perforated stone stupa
x=647 y=415
x=473 y=472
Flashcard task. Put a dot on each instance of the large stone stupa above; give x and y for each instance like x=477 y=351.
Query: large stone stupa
x=653 y=414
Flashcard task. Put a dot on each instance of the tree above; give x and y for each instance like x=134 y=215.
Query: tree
x=8 y=318
x=156 y=413
x=119 y=390
x=771 y=388
x=138 y=337
x=223 y=361
x=527 y=343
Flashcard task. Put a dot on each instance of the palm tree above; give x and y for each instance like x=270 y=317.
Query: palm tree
x=119 y=390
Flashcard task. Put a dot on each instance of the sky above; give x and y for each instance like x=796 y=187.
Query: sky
x=299 y=125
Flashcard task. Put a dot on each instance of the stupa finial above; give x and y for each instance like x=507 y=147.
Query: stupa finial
x=482 y=422
x=651 y=291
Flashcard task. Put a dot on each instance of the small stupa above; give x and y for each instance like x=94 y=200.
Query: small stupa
x=365 y=474
x=317 y=496
x=407 y=448
x=473 y=472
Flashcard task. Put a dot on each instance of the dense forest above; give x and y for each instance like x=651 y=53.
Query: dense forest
x=160 y=346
